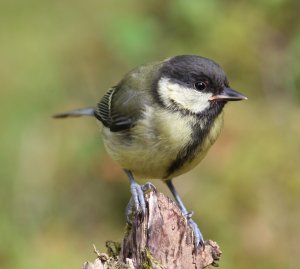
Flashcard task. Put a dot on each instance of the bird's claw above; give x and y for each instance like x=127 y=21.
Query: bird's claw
x=138 y=197
x=199 y=241
x=137 y=202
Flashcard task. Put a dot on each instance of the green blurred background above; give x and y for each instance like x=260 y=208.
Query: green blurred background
x=60 y=192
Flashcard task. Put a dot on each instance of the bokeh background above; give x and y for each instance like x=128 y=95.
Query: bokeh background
x=60 y=192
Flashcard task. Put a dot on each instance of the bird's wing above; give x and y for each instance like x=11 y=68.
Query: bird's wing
x=119 y=108
x=103 y=108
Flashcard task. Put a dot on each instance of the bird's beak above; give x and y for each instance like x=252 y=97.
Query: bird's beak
x=228 y=94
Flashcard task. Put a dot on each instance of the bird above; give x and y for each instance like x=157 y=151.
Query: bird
x=161 y=119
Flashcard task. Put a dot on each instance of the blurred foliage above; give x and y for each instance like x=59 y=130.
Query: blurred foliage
x=60 y=191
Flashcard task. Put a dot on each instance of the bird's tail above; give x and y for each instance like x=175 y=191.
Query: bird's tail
x=88 y=111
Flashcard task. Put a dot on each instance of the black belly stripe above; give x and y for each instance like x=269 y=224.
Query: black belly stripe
x=190 y=151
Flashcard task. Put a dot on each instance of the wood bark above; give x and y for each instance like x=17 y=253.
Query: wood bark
x=161 y=238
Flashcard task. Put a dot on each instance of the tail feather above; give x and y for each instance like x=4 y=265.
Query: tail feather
x=89 y=111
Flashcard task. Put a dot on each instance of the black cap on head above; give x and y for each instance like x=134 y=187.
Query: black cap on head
x=193 y=73
x=189 y=69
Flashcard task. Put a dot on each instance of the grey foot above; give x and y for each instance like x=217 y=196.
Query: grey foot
x=137 y=203
x=199 y=241
x=198 y=235
x=138 y=197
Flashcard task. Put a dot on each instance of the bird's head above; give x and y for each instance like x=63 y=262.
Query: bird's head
x=194 y=85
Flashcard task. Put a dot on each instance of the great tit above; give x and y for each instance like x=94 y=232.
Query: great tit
x=160 y=120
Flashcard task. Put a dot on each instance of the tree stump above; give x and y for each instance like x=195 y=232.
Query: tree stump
x=160 y=239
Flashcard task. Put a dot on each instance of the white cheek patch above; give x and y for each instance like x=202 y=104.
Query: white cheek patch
x=188 y=98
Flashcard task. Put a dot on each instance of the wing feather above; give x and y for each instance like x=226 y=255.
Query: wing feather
x=123 y=105
x=118 y=109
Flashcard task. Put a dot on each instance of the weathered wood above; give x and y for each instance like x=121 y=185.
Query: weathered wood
x=160 y=239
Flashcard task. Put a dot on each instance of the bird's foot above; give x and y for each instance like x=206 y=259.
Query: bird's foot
x=188 y=215
x=137 y=203
x=199 y=241
x=138 y=197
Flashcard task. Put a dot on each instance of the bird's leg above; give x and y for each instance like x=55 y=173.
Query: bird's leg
x=137 y=193
x=198 y=235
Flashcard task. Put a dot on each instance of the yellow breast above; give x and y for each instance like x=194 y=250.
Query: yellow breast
x=204 y=147
x=154 y=143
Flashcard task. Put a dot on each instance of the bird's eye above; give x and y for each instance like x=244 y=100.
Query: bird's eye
x=200 y=85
